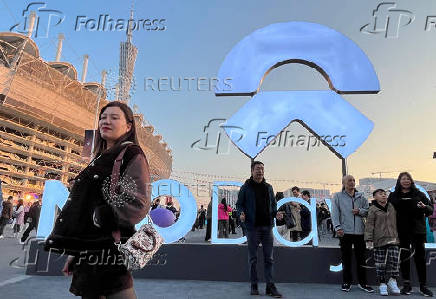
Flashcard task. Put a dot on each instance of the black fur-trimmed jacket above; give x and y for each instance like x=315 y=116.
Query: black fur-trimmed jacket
x=90 y=214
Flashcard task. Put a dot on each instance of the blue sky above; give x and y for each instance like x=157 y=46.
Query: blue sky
x=198 y=36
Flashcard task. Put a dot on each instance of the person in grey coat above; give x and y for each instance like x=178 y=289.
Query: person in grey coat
x=349 y=207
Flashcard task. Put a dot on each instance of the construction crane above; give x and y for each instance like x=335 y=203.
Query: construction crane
x=380 y=172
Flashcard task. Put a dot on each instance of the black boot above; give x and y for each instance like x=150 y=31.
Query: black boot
x=407 y=288
x=425 y=291
x=271 y=290
x=254 y=289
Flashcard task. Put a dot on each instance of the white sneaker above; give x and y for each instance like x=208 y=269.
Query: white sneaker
x=383 y=288
x=393 y=287
x=1 y=237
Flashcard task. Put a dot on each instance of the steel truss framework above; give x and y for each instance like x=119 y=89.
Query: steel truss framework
x=43 y=116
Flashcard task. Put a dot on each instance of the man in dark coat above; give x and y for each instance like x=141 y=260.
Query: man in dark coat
x=201 y=217
x=209 y=221
x=33 y=219
x=5 y=215
x=306 y=219
x=258 y=208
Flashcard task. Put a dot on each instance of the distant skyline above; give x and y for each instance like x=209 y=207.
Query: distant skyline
x=197 y=37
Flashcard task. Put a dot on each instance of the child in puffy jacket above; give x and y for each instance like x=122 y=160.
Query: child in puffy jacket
x=381 y=234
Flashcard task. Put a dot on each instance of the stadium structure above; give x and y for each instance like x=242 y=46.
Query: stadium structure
x=45 y=110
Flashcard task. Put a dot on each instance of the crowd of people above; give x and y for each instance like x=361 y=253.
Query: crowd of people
x=23 y=217
x=393 y=227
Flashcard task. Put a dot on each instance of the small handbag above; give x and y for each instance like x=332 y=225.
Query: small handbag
x=140 y=248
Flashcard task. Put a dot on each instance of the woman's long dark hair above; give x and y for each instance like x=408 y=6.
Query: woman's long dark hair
x=223 y=201
x=100 y=143
x=412 y=185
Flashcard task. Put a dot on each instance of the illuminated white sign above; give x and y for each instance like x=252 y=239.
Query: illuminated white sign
x=344 y=65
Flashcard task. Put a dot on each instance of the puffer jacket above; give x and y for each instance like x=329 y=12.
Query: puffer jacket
x=295 y=210
x=306 y=220
x=19 y=215
x=410 y=218
x=381 y=225
x=91 y=214
x=34 y=212
x=342 y=216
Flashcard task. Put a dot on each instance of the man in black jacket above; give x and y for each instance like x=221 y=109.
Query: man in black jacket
x=33 y=219
x=306 y=219
x=201 y=217
x=6 y=214
x=258 y=208
x=209 y=221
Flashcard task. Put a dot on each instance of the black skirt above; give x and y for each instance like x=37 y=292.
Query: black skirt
x=99 y=275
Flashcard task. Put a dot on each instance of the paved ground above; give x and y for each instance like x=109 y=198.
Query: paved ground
x=15 y=284
x=57 y=288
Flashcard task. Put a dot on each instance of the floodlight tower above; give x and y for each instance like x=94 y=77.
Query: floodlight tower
x=128 y=53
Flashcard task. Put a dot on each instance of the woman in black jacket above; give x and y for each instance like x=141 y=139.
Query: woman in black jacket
x=412 y=206
x=96 y=216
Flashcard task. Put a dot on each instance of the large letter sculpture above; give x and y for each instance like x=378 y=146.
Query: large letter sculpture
x=55 y=195
x=339 y=59
x=313 y=235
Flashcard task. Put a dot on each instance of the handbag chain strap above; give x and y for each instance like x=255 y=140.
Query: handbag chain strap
x=115 y=177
